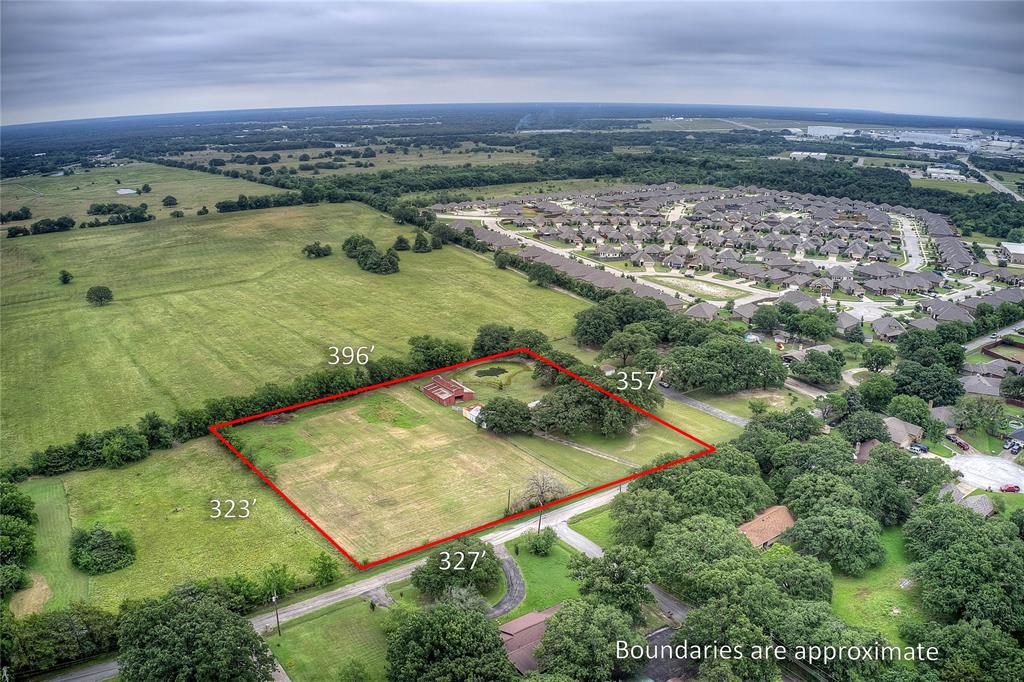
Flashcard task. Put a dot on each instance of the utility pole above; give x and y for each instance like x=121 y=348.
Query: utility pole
x=277 y=616
x=538 y=521
x=508 y=504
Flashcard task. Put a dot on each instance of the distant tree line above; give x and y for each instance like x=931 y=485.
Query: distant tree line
x=22 y=213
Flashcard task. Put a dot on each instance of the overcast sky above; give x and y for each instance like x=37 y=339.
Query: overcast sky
x=66 y=60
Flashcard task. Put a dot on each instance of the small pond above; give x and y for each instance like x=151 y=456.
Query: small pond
x=491 y=372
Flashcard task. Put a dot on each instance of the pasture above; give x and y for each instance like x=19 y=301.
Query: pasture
x=52 y=197
x=165 y=502
x=391 y=469
x=193 y=319
x=396 y=159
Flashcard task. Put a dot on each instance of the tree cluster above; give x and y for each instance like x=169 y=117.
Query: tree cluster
x=97 y=550
x=366 y=255
x=316 y=250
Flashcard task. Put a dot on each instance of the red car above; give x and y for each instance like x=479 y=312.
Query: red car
x=1010 y=488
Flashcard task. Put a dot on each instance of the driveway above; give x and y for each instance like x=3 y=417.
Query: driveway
x=673 y=394
x=987 y=472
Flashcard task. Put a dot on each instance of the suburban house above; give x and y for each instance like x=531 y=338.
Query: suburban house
x=945 y=415
x=845 y=322
x=522 y=635
x=887 y=328
x=903 y=433
x=979 y=385
x=702 y=311
x=979 y=504
x=765 y=528
x=446 y=391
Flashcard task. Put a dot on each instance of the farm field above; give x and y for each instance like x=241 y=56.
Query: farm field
x=391 y=469
x=383 y=161
x=318 y=645
x=694 y=287
x=165 y=502
x=52 y=197
x=191 y=320
x=877 y=600
x=953 y=186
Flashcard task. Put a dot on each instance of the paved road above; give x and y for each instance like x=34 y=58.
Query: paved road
x=516 y=591
x=578 y=541
x=806 y=389
x=673 y=394
x=982 y=340
x=912 y=240
x=666 y=603
x=1000 y=187
x=986 y=471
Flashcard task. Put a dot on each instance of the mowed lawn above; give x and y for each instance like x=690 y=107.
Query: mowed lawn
x=596 y=525
x=218 y=305
x=55 y=582
x=546 y=577
x=953 y=186
x=391 y=469
x=165 y=502
x=52 y=197
x=877 y=600
x=317 y=646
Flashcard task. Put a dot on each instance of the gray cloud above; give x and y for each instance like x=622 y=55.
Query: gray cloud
x=65 y=60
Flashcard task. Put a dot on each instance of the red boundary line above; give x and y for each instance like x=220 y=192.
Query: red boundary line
x=241 y=420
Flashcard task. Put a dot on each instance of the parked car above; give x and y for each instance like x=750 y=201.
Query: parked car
x=962 y=444
x=918 y=448
x=664 y=384
x=951 y=437
x=1009 y=488
x=993 y=336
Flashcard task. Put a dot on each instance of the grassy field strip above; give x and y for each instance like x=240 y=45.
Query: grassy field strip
x=56 y=583
x=701 y=289
x=596 y=525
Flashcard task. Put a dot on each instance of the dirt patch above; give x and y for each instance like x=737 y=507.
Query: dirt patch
x=33 y=599
x=281 y=418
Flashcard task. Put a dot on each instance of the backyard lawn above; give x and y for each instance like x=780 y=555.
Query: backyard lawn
x=778 y=399
x=880 y=599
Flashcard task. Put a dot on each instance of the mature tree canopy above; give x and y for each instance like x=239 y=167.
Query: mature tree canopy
x=877 y=357
x=911 y=409
x=875 y=392
x=846 y=538
x=696 y=540
x=99 y=295
x=724 y=364
x=864 y=425
x=506 y=416
x=447 y=643
x=580 y=642
x=816 y=493
x=189 y=637
x=818 y=368
x=437 y=576
x=619 y=578
x=17 y=540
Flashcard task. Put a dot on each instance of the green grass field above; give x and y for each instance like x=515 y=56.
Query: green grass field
x=318 y=645
x=780 y=399
x=55 y=582
x=52 y=197
x=653 y=439
x=217 y=305
x=876 y=600
x=501 y=380
x=526 y=188
x=392 y=469
x=596 y=525
x=706 y=290
x=546 y=577
x=953 y=186
x=165 y=502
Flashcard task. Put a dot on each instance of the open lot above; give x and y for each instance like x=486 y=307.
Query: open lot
x=882 y=598
x=953 y=186
x=701 y=289
x=318 y=646
x=52 y=197
x=165 y=502
x=546 y=577
x=391 y=469
x=192 y=320
x=779 y=399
